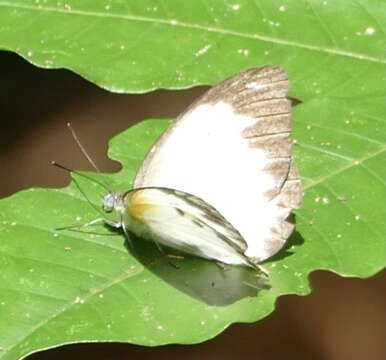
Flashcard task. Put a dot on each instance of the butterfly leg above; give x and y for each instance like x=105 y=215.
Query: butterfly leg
x=98 y=221
x=159 y=247
x=175 y=257
x=167 y=256
x=129 y=241
x=263 y=270
x=172 y=264
x=223 y=268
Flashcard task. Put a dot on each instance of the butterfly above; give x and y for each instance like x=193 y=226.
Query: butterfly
x=221 y=182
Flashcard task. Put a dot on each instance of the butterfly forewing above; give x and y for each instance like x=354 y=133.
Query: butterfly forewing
x=184 y=222
x=232 y=148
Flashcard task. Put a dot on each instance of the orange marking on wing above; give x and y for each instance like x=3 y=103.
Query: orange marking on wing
x=138 y=205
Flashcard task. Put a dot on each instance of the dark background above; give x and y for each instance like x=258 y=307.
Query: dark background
x=342 y=319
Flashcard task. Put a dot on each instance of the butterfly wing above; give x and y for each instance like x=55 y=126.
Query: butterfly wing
x=184 y=222
x=232 y=148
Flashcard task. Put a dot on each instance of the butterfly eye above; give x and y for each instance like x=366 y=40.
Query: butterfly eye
x=109 y=201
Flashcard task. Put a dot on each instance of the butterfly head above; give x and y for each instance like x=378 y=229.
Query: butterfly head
x=112 y=201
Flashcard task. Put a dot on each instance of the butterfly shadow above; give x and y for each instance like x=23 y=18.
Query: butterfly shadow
x=296 y=239
x=205 y=280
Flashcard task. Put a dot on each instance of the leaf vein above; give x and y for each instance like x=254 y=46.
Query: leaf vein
x=96 y=291
x=344 y=168
x=213 y=29
x=324 y=151
x=345 y=132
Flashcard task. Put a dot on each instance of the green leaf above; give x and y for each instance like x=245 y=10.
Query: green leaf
x=62 y=287
x=136 y=46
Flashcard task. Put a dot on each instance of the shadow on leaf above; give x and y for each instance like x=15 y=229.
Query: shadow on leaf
x=202 y=279
x=294 y=240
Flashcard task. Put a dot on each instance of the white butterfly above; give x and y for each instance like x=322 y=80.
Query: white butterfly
x=221 y=182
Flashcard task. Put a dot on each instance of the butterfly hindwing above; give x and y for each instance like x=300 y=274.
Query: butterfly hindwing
x=232 y=148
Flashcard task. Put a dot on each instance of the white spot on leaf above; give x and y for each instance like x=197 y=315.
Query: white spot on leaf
x=325 y=200
x=78 y=300
x=203 y=50
x=369 y=31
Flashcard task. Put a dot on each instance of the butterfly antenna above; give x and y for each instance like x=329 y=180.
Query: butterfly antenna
x=82 y=148
x=86 y=155
x=60 y=166
x=54 y=163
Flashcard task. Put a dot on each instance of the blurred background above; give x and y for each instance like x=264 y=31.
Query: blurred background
x=342 y=319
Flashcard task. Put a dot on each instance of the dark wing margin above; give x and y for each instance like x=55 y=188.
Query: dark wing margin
x=244 y=90
x=261 y=93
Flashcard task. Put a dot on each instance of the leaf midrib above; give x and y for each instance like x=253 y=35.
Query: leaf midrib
x=175 y=23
